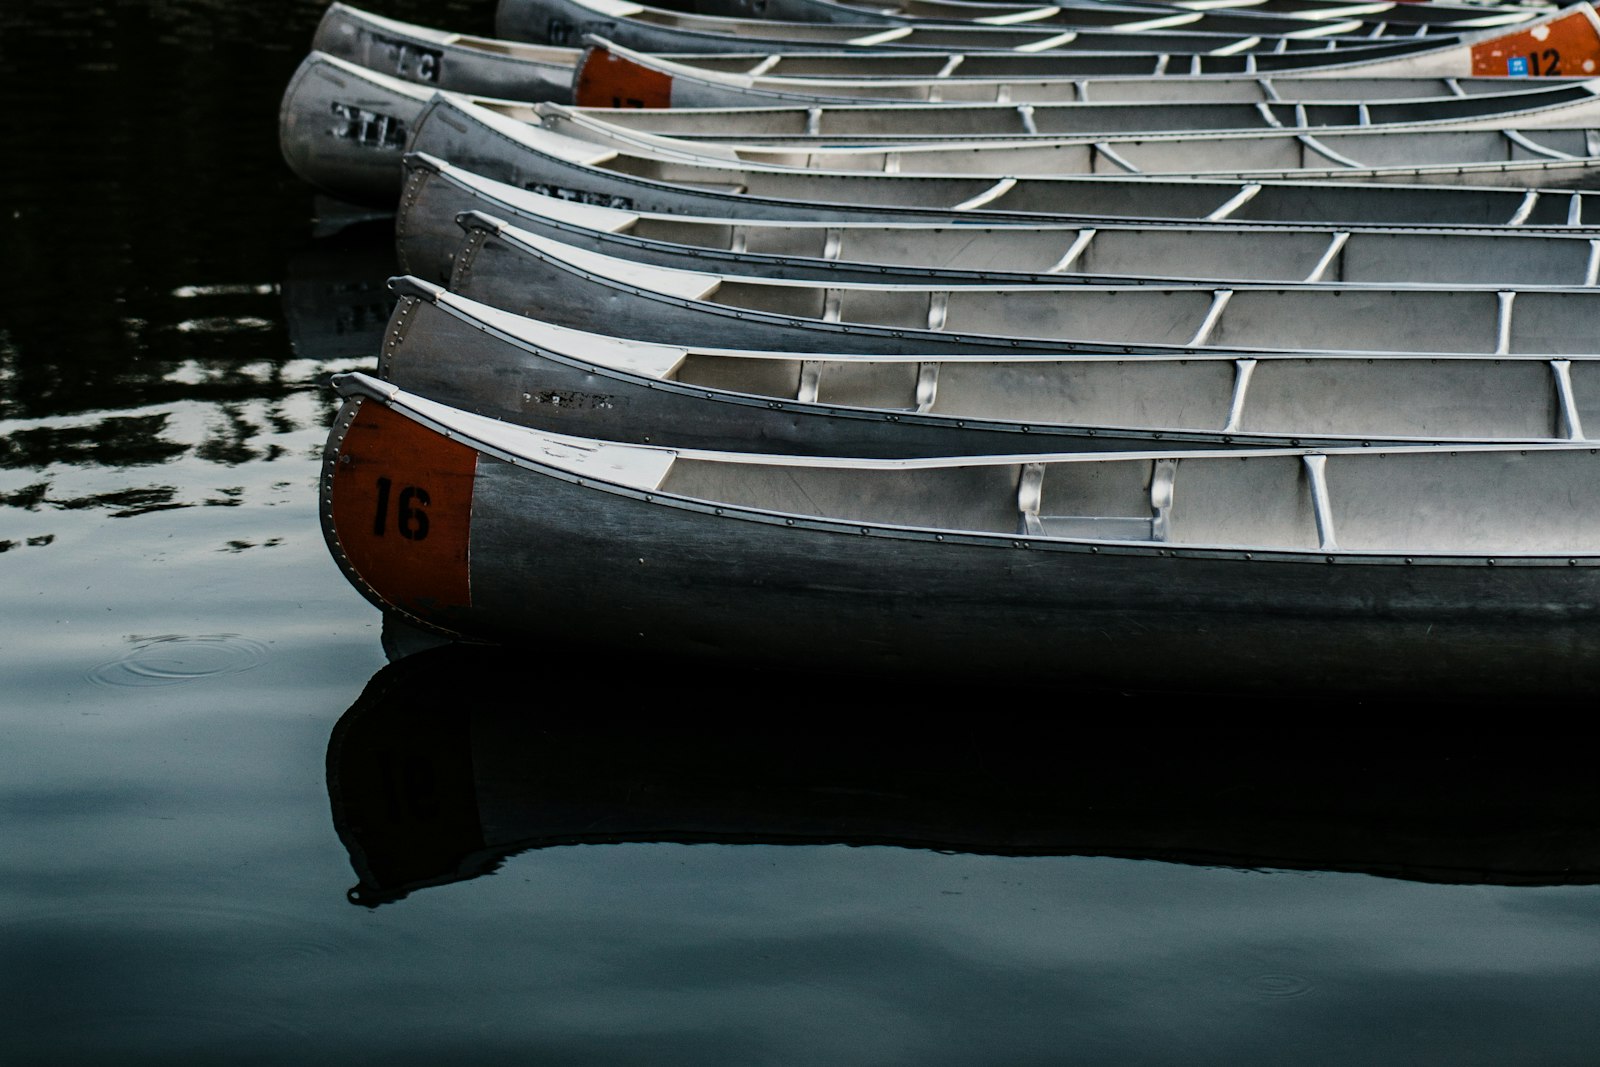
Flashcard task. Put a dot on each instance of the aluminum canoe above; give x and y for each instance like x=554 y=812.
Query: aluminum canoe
x=610 y=75
x=1435 y=153
x=499 y=146
x=492 y=362
x=343 y=128
x=1376 y=19
x=650 y=29
x=1317 y=21
x=1573 y=103
x=438 y=193
x=654 y=29
x=573 y=287
x=518 y=71
x=1481 y=563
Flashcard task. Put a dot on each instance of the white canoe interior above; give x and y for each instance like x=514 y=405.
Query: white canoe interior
x=1572 y=104
x=386 y=43
x=1209 y=251
x=1393 y=397
x=1213 y=201
x=1552 y=322
x=1476 y=501
x=666 y=30
x=1516 y=153
x=1025 y=78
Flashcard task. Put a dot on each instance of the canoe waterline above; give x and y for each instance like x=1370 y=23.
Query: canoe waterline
x=588 y=291
x=511 y=536
x=1568 y=36
x=491 y=362
x=499 y=147
x=437 y=194
x=517 y=71
x=1553 y=158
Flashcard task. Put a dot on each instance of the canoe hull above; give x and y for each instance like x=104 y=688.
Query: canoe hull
x=345 y=133
x=433 y=59
x=532 y=553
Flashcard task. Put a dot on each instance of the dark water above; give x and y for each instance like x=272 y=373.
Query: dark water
x=232 y=834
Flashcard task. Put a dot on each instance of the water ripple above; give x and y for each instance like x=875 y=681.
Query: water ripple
x=172 y=659
x=1280 y=985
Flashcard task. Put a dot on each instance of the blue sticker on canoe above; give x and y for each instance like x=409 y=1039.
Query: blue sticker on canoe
x=1517 y=67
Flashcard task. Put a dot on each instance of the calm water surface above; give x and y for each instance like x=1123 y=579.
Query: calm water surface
x=230 y=832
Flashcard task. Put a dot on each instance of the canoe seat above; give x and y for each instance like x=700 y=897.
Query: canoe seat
x=1034 y=523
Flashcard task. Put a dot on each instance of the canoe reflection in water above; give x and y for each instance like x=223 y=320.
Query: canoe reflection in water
x=426 y=791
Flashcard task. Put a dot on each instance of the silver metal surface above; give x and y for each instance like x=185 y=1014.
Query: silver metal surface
x=1572 y=104
x=501 y=147
x=1018 y=77
x=442 y=60
x=436 y=193
x=452 y=349
x=1089 y=29
x=916 y=564
x=593 y=291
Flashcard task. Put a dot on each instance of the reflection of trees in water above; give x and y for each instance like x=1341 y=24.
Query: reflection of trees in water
x=121 y=441
x=239 y=374
x=144 y=255
x=32 y=542
x=228 y=441
x=280 y=420
x=130 y=466
x=28 y=498
x=126 y=502
x=170 y=325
